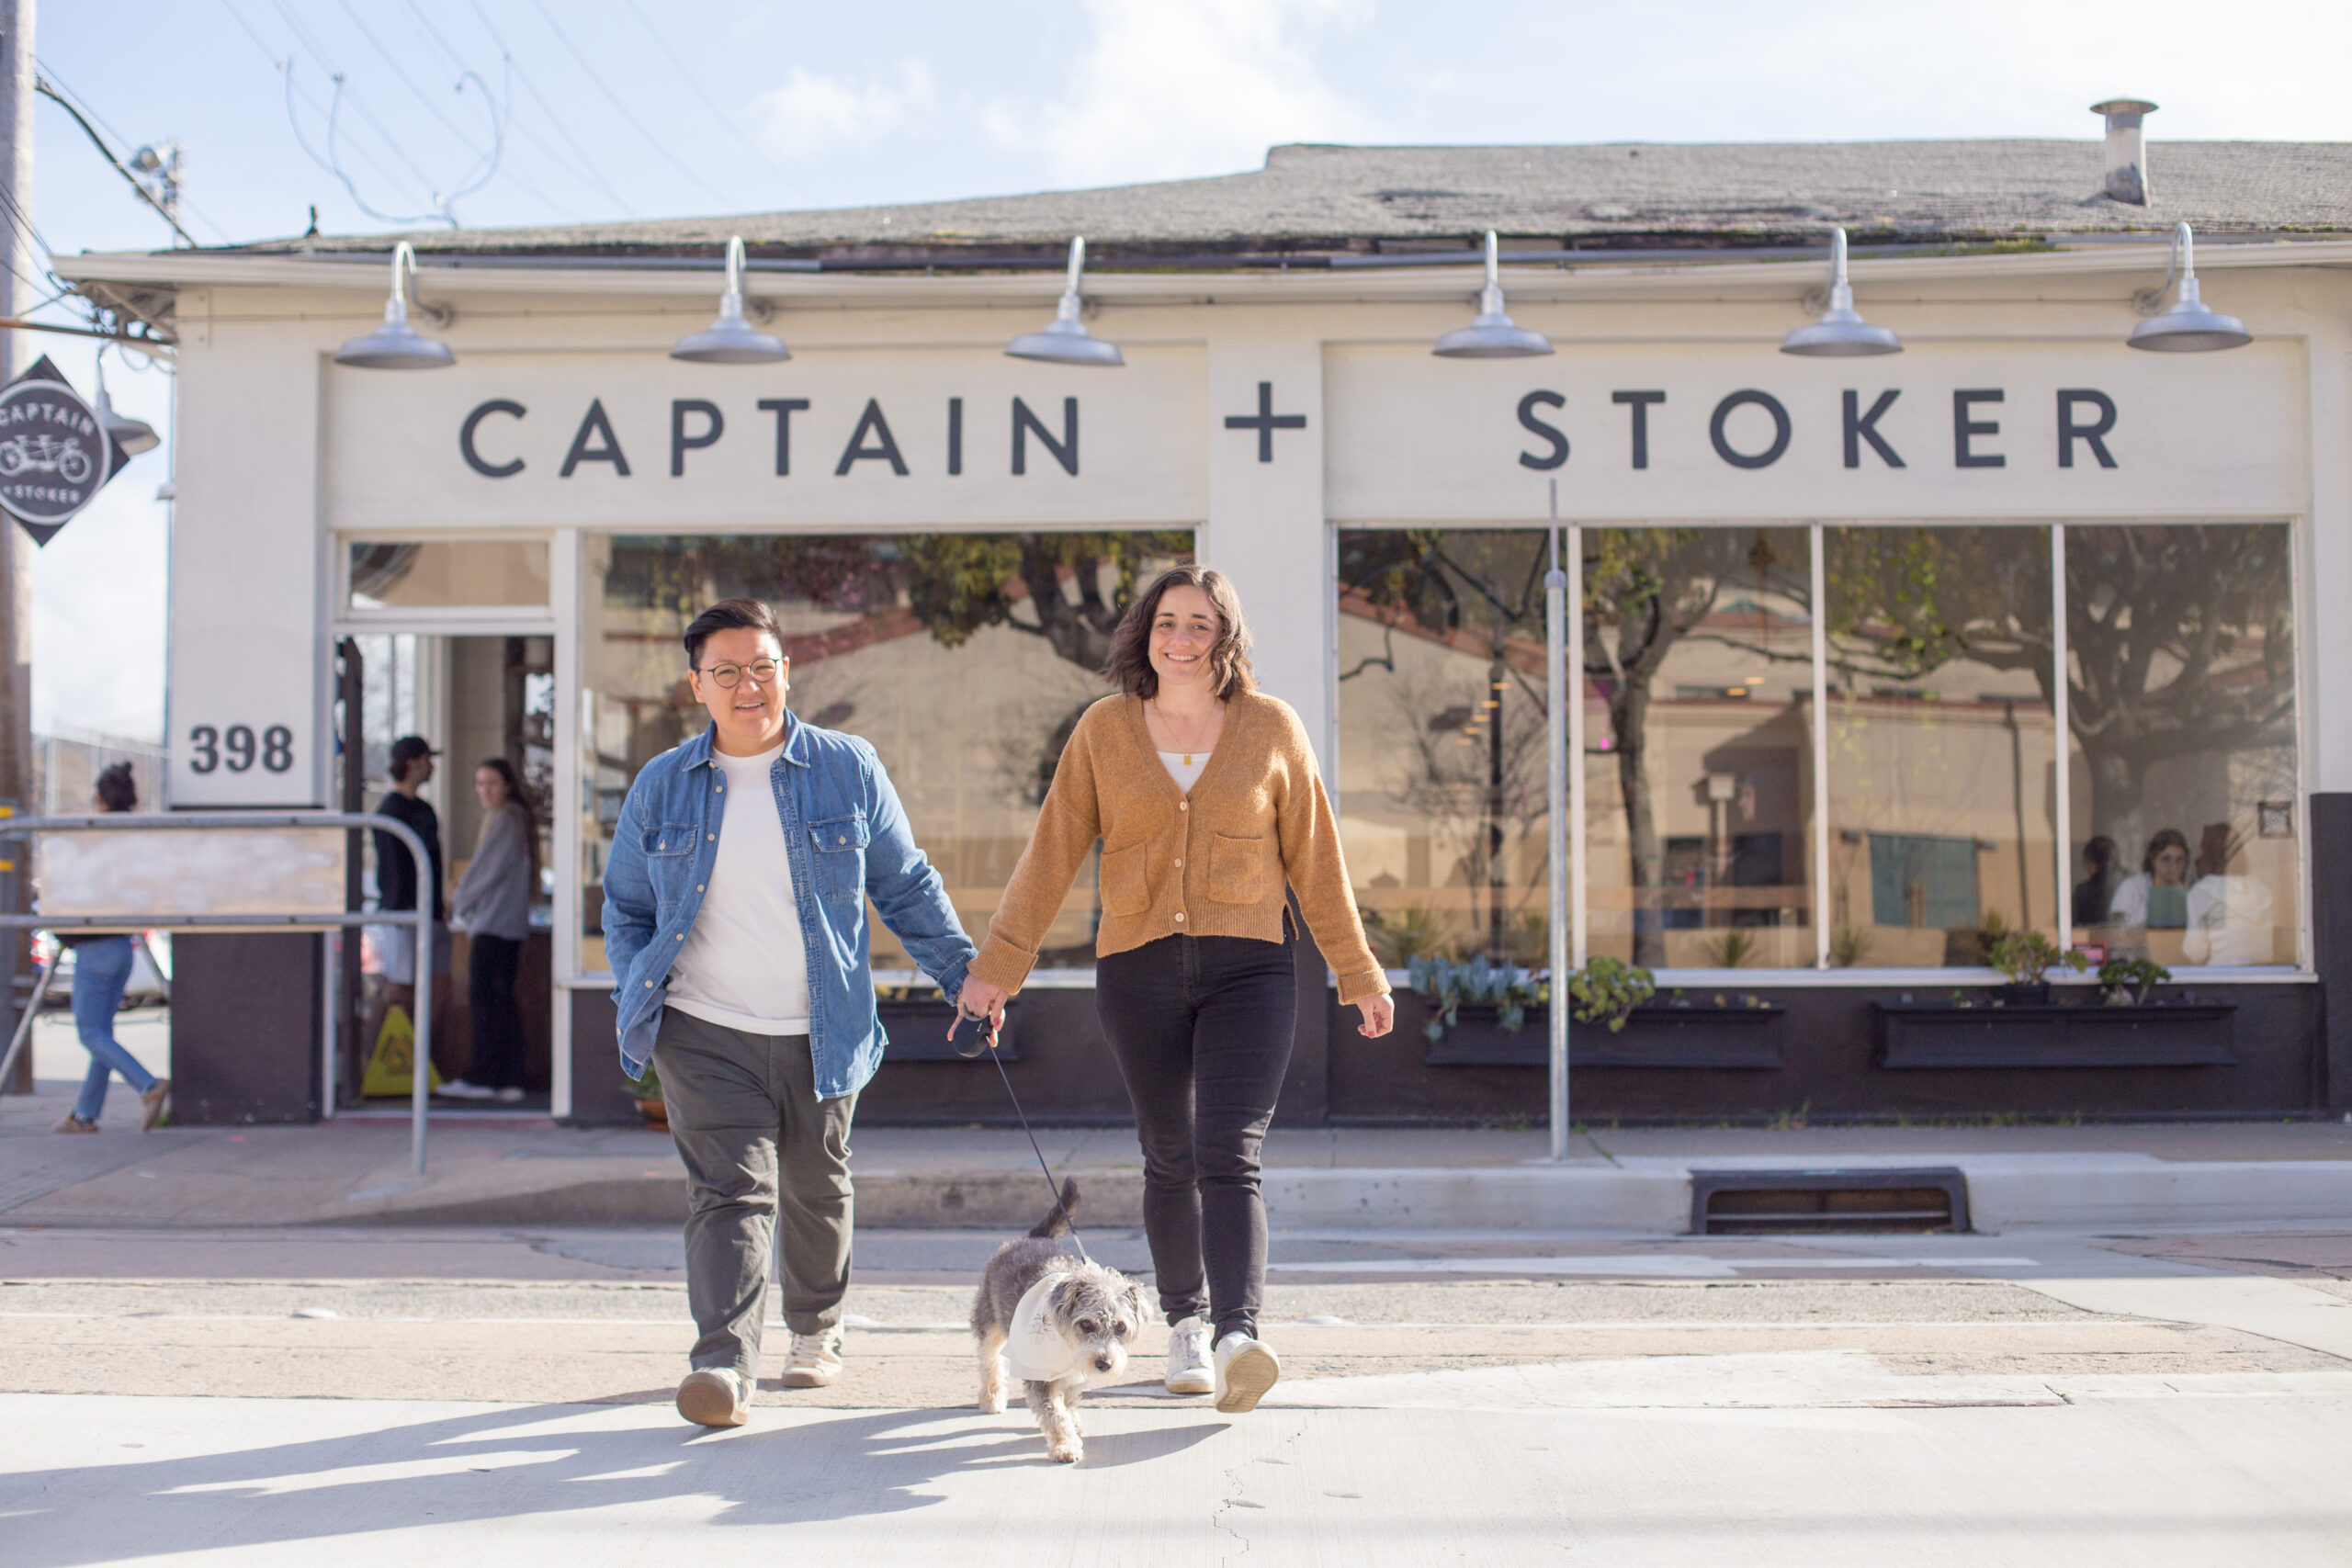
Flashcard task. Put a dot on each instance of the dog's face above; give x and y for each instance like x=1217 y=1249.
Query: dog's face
x=1097 y=1312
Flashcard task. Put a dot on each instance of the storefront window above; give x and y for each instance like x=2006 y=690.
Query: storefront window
x=1442 y=809
x=1942 y=743
x=2181 y=712
x=1697 y=766
x=448 y=574
x=966 y=659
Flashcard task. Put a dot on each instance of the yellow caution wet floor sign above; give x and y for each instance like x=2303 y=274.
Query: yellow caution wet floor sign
x=395 y=1058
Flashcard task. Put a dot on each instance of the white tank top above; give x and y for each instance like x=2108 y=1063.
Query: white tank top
x=1185 y=767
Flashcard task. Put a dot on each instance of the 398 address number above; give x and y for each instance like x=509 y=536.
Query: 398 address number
x=237 y=750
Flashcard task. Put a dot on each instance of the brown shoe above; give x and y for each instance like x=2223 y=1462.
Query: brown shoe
x=713 y=1397
x=73 y=1123
x=157 y=1093
x=816 y=1360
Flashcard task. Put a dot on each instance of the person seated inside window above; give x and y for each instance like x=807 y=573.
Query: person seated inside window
x=2158 y=894
x=2093 y=893
x=2229 y=912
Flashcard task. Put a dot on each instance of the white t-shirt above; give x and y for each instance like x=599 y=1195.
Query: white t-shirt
x=1185 y=767
x=745 y=965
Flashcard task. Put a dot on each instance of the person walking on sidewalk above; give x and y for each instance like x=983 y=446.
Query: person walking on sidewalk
x=101 y=970
x=735 y=920
x=492 y=906
x=1205 y=796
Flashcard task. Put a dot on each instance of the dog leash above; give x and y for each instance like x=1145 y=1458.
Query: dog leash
x=988 y=1047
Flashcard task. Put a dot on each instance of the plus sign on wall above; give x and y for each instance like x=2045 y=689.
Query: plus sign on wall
x=1265 y=421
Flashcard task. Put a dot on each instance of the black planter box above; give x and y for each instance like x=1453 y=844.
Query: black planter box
x=1739 y=1038
x=2157 y=1034
x=917 y=1032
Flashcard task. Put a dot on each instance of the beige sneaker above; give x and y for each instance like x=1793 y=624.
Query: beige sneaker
x=158 y=1095
x=815 y=1362
x=715 y=1396
x=1188 y=1359
x=1245 y=1371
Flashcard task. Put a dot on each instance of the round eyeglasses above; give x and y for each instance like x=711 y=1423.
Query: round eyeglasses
x=729 y=676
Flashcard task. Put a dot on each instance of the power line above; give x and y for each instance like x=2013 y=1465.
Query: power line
x=318 y=55
x=587 y=163
x=639 y=126
x=695 y=86
x=43 y=86
x=283 y=67
x=458 y=62
x=409 y=82
x=90 y=109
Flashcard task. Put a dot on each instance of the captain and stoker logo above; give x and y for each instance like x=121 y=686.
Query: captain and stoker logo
x=2086 y=418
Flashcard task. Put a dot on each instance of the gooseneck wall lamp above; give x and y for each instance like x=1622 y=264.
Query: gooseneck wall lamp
x=1493 y=335
x=2189 y=327
x=131 y=437
x=396 y=345
x=731 y=340
x=1064 y=340
x=1840 y=333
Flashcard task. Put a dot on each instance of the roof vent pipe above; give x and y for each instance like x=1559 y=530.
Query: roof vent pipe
x=2127 y=150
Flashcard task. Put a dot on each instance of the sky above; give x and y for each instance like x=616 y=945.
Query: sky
x=396 y=114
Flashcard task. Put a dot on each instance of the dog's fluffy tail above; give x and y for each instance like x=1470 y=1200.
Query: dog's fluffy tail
x=1057 y=1219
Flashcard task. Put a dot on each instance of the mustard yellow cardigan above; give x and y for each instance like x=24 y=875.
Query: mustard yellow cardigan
x=1213 y=863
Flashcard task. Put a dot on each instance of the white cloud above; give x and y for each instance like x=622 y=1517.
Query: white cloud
x=813 y=111
x=1178 y=88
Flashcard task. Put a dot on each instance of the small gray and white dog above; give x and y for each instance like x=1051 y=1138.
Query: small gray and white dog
x=1059 y=1324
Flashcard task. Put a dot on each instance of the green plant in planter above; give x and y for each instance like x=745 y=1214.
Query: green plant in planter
x=1607 y=990
x=1508 y=988
x=1849 y=947
x=1732 y=950
x=2128 y=980
x=2025 y=956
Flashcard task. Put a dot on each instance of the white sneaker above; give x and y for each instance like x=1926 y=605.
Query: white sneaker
x=458 y=1088
x=715 y=1396
x=815 y=1362
x=1188 y=1359
x=510 y=1095
x=1245 y=1371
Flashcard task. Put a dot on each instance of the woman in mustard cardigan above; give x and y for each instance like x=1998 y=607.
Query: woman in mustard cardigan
x=1207 y=798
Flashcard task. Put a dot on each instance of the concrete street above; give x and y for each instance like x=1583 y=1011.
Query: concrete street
x=268 y=1346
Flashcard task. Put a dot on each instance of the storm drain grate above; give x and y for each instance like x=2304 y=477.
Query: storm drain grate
x=1767 y=1202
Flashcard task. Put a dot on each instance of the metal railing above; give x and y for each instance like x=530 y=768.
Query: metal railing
x=419 y=918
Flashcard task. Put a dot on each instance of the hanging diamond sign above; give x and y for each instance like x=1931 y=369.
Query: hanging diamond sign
x=54 y=455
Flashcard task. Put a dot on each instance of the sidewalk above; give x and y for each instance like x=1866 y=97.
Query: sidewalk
x=527 y=1171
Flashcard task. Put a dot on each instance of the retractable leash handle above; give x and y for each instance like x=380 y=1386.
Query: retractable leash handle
x=984 y=1042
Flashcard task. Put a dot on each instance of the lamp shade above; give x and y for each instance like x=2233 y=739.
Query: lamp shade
x=2189 y=327
x=396 y=345
x=1493 y=334
x=1840 y=333
x=730 y=340
x=131 y=437
x=1064 y=340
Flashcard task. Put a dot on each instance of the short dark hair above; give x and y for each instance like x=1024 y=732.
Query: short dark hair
x=746 y=614
x=1129 y=665
x=117 y=791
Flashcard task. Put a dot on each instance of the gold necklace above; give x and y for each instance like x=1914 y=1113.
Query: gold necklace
x=1165 y=720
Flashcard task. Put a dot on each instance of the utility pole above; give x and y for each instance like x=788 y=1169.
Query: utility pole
x=17 y=297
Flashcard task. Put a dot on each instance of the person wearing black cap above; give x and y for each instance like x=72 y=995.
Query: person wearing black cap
x=410 y=768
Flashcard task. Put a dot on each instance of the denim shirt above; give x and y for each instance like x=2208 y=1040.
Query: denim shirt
x=847 y=840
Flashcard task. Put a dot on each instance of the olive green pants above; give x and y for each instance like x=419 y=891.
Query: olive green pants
x=767 y=1171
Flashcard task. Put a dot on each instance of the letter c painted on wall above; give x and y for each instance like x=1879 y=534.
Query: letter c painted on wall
x=466 y=439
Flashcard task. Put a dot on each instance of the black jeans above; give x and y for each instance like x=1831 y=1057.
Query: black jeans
x=497 y=1060
x=1201 y=1027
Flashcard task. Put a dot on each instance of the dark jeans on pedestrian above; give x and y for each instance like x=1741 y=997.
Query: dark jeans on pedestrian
x=1201 y=1028
x=767 y=1173
x=491 y=965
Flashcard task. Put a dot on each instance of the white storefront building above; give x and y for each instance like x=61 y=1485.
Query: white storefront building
x=1838 y=610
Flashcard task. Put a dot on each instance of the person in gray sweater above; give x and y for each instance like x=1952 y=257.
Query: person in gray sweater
x=494 y=907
